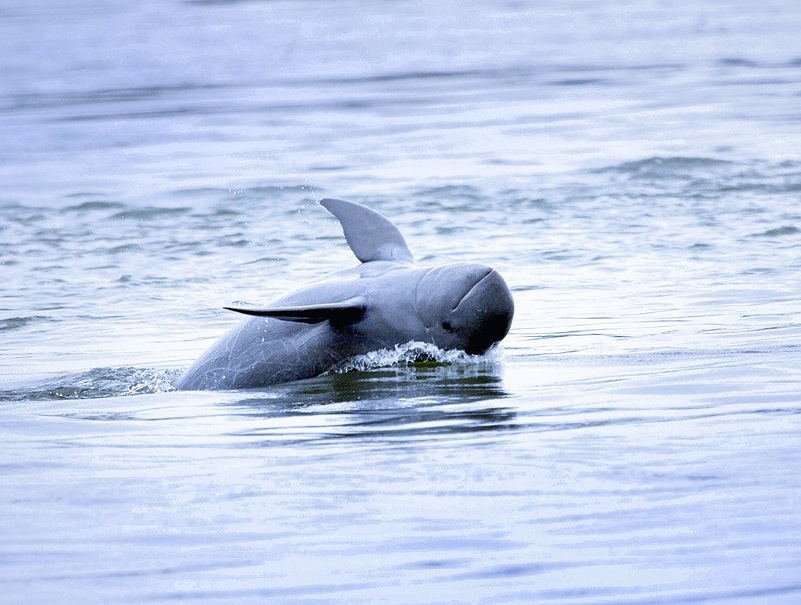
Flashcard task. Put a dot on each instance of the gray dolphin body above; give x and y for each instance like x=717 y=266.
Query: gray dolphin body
x=385 y=301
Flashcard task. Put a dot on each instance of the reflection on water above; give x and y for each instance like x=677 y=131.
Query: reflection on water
x=401 y=404
x=435 y=381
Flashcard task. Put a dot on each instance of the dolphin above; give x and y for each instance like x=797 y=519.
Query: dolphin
x=385 y=301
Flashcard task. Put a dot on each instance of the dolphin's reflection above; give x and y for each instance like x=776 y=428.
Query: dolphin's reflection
x=402 y=403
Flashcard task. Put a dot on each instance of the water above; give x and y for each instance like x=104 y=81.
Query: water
x=633 y=169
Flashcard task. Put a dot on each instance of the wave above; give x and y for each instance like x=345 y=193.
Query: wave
x=665 y=167
x=14 y=323
x=96 y=383
x=779 y=231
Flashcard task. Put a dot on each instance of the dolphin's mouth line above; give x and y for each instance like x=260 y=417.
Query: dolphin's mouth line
x=473 y=287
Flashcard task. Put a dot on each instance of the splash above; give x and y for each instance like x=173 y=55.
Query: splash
x=410 y=353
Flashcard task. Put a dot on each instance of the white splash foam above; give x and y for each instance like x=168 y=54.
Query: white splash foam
x=409 y=353
x=152 y=381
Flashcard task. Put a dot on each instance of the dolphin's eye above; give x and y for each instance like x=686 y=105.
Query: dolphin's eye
x=447 y=326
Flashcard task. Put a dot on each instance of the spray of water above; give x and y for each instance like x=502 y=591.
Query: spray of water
x=410 y=353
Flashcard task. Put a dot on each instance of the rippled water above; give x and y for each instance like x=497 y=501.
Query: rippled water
x=633 y=170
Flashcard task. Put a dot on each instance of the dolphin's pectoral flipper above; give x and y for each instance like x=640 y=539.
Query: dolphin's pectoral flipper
x=339 y=313
x=370 y=235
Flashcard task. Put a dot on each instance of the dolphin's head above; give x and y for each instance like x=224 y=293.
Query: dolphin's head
x=465 y=306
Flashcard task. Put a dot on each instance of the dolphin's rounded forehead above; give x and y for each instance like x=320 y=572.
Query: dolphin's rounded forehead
x=465 y=306
x=444 y=286
x=485 y=313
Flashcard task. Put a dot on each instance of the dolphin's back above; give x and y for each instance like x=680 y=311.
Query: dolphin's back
x=261 y=352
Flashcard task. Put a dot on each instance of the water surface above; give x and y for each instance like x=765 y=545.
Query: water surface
x=632 y=169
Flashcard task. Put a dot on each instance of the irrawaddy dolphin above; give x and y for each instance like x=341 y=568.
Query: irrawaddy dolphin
x=386 y=301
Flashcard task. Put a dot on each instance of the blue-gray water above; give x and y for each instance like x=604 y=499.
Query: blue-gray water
x=632 y=168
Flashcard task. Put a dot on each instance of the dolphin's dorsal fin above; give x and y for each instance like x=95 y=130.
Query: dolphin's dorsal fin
x=370 y=235
x=339 y=313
